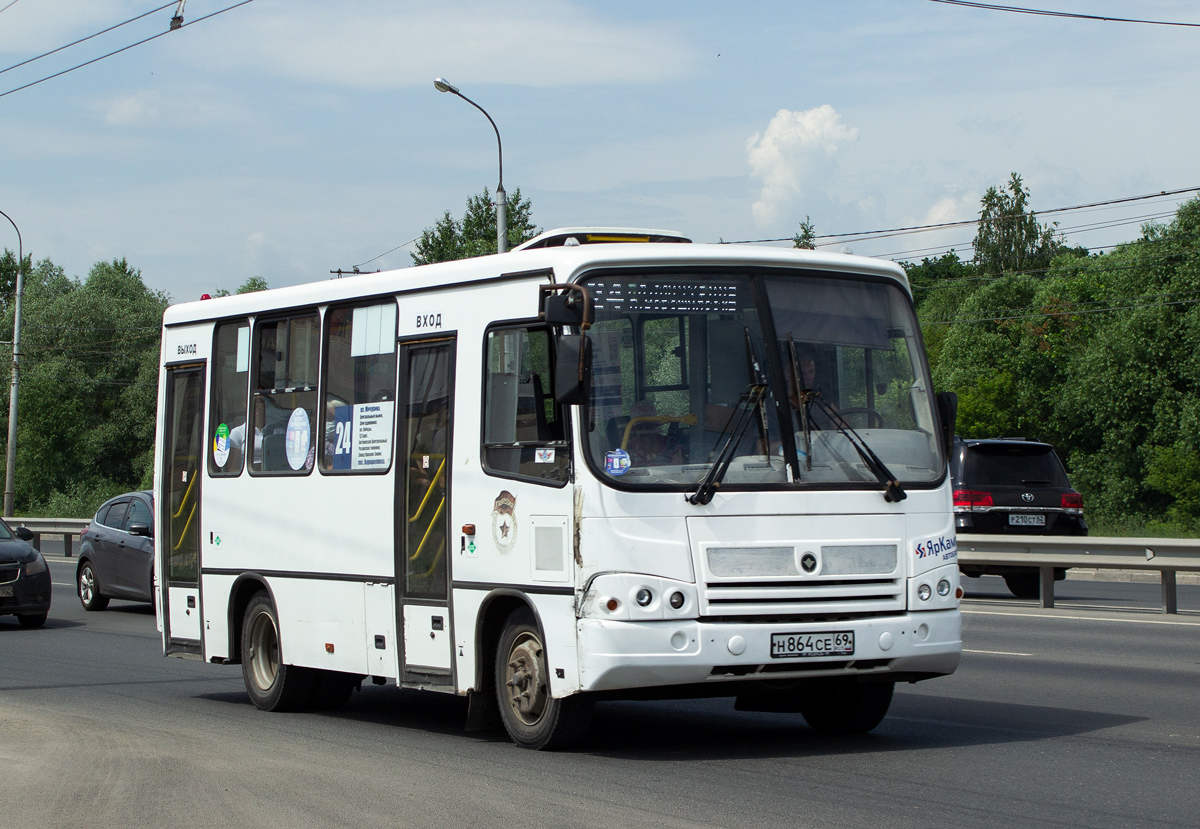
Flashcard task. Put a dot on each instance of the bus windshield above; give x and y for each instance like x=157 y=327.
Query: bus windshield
x=773 y=373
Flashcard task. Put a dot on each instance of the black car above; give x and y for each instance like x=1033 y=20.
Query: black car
x=1016 y=487
x=24 y=578
x=116 y=552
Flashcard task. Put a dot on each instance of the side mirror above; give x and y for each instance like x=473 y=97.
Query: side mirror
x=947 y=406
x=572 y=369
x=564 y=309
x=24 y=533
x=139 y=529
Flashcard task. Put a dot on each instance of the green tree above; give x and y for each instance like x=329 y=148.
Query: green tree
x=8 y=275
x=475 y=233
x=1010 y=238
x=254 y=283
x=806 y=238
x=89 y=379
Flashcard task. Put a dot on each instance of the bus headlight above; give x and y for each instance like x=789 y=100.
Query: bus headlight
x=924 y=592
x=637 y=597
x=943 y=588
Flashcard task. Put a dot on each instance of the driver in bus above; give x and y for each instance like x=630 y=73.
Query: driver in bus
x=649 y=444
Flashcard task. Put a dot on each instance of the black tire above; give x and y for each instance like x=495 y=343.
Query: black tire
x=87 y=587
x=33 y=620
x=1025 y=585
x=272 y=686
x=533 y=718
x=846 y=706
x=333 y=689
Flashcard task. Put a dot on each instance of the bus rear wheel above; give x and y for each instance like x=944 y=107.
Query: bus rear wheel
x=846 y=706
x=272 y=686
x=533 y=718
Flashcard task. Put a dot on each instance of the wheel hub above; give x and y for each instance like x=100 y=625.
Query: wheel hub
x=526 y=685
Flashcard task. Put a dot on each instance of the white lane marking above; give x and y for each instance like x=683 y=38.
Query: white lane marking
x=997 y=653
x=63 y=583
x=1085 y=618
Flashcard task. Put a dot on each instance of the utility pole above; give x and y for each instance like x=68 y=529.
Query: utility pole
x=11 y=465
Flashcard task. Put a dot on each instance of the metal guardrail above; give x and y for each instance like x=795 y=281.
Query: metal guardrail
x=68 y=528
x=1046 y=552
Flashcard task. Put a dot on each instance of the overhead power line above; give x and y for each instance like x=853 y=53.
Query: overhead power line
x=880 y=234
x=9 y=6
x=83 y=39
x=125 y=48
x=1047 y=13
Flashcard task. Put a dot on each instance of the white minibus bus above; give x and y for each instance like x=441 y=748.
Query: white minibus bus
x=607 y=464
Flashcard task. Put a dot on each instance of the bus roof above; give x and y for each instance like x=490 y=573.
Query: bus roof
x=566 y=262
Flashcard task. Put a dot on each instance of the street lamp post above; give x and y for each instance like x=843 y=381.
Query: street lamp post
x=442 y=85
x=10 y=466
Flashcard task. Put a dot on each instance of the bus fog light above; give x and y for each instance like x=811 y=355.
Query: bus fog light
x=644 y=597
x=924 y=592
x=679 y=640
x=612 y=605
x=943 y=588
x=736 y=645
x=677 y=600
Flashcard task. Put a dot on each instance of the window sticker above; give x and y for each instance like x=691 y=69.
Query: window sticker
x=616 y=462
x=299 y=437
x=343 y=437
x=221 y=446
x=543 y=456
x=362 y=436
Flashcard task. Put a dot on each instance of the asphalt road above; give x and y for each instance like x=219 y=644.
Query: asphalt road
x=1078 y=716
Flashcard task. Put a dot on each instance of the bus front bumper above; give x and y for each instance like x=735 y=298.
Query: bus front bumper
x=616 y=655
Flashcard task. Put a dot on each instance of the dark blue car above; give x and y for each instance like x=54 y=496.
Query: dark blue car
x=24 y=578
x=116 y=552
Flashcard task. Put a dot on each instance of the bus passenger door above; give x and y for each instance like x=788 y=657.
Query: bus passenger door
x=179 y=542
x=423 y=481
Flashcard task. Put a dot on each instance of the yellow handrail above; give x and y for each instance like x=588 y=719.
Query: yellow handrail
x=183 y=535
x=183 y=503
x=425 y=538
x=686 y=420
x=433 y=566
x=429 y=492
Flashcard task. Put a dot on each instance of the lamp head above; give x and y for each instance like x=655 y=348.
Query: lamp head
x=442 y=85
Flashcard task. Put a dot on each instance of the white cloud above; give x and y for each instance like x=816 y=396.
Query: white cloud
x=191 y=106
x=359 y=44
x=952 y=209
x=793 y=156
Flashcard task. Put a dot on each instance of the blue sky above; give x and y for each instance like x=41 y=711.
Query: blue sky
x=288 y=138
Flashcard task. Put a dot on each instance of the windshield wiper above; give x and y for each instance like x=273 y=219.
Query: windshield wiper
x=735 y=428
x=802 y=396
x=893 y=491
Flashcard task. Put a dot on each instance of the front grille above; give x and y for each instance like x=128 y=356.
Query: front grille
x=9 y=574
x=804 y=597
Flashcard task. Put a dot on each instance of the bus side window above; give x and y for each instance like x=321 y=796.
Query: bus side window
x=285 y=394
x=230 y=380
x=359 y=387
x=524 y=429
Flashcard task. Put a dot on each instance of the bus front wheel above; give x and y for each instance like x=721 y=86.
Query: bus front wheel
x=272 y=686
x=533 y=718
x=846 y=706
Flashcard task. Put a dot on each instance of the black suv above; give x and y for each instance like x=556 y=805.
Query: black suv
x=1014 y=486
